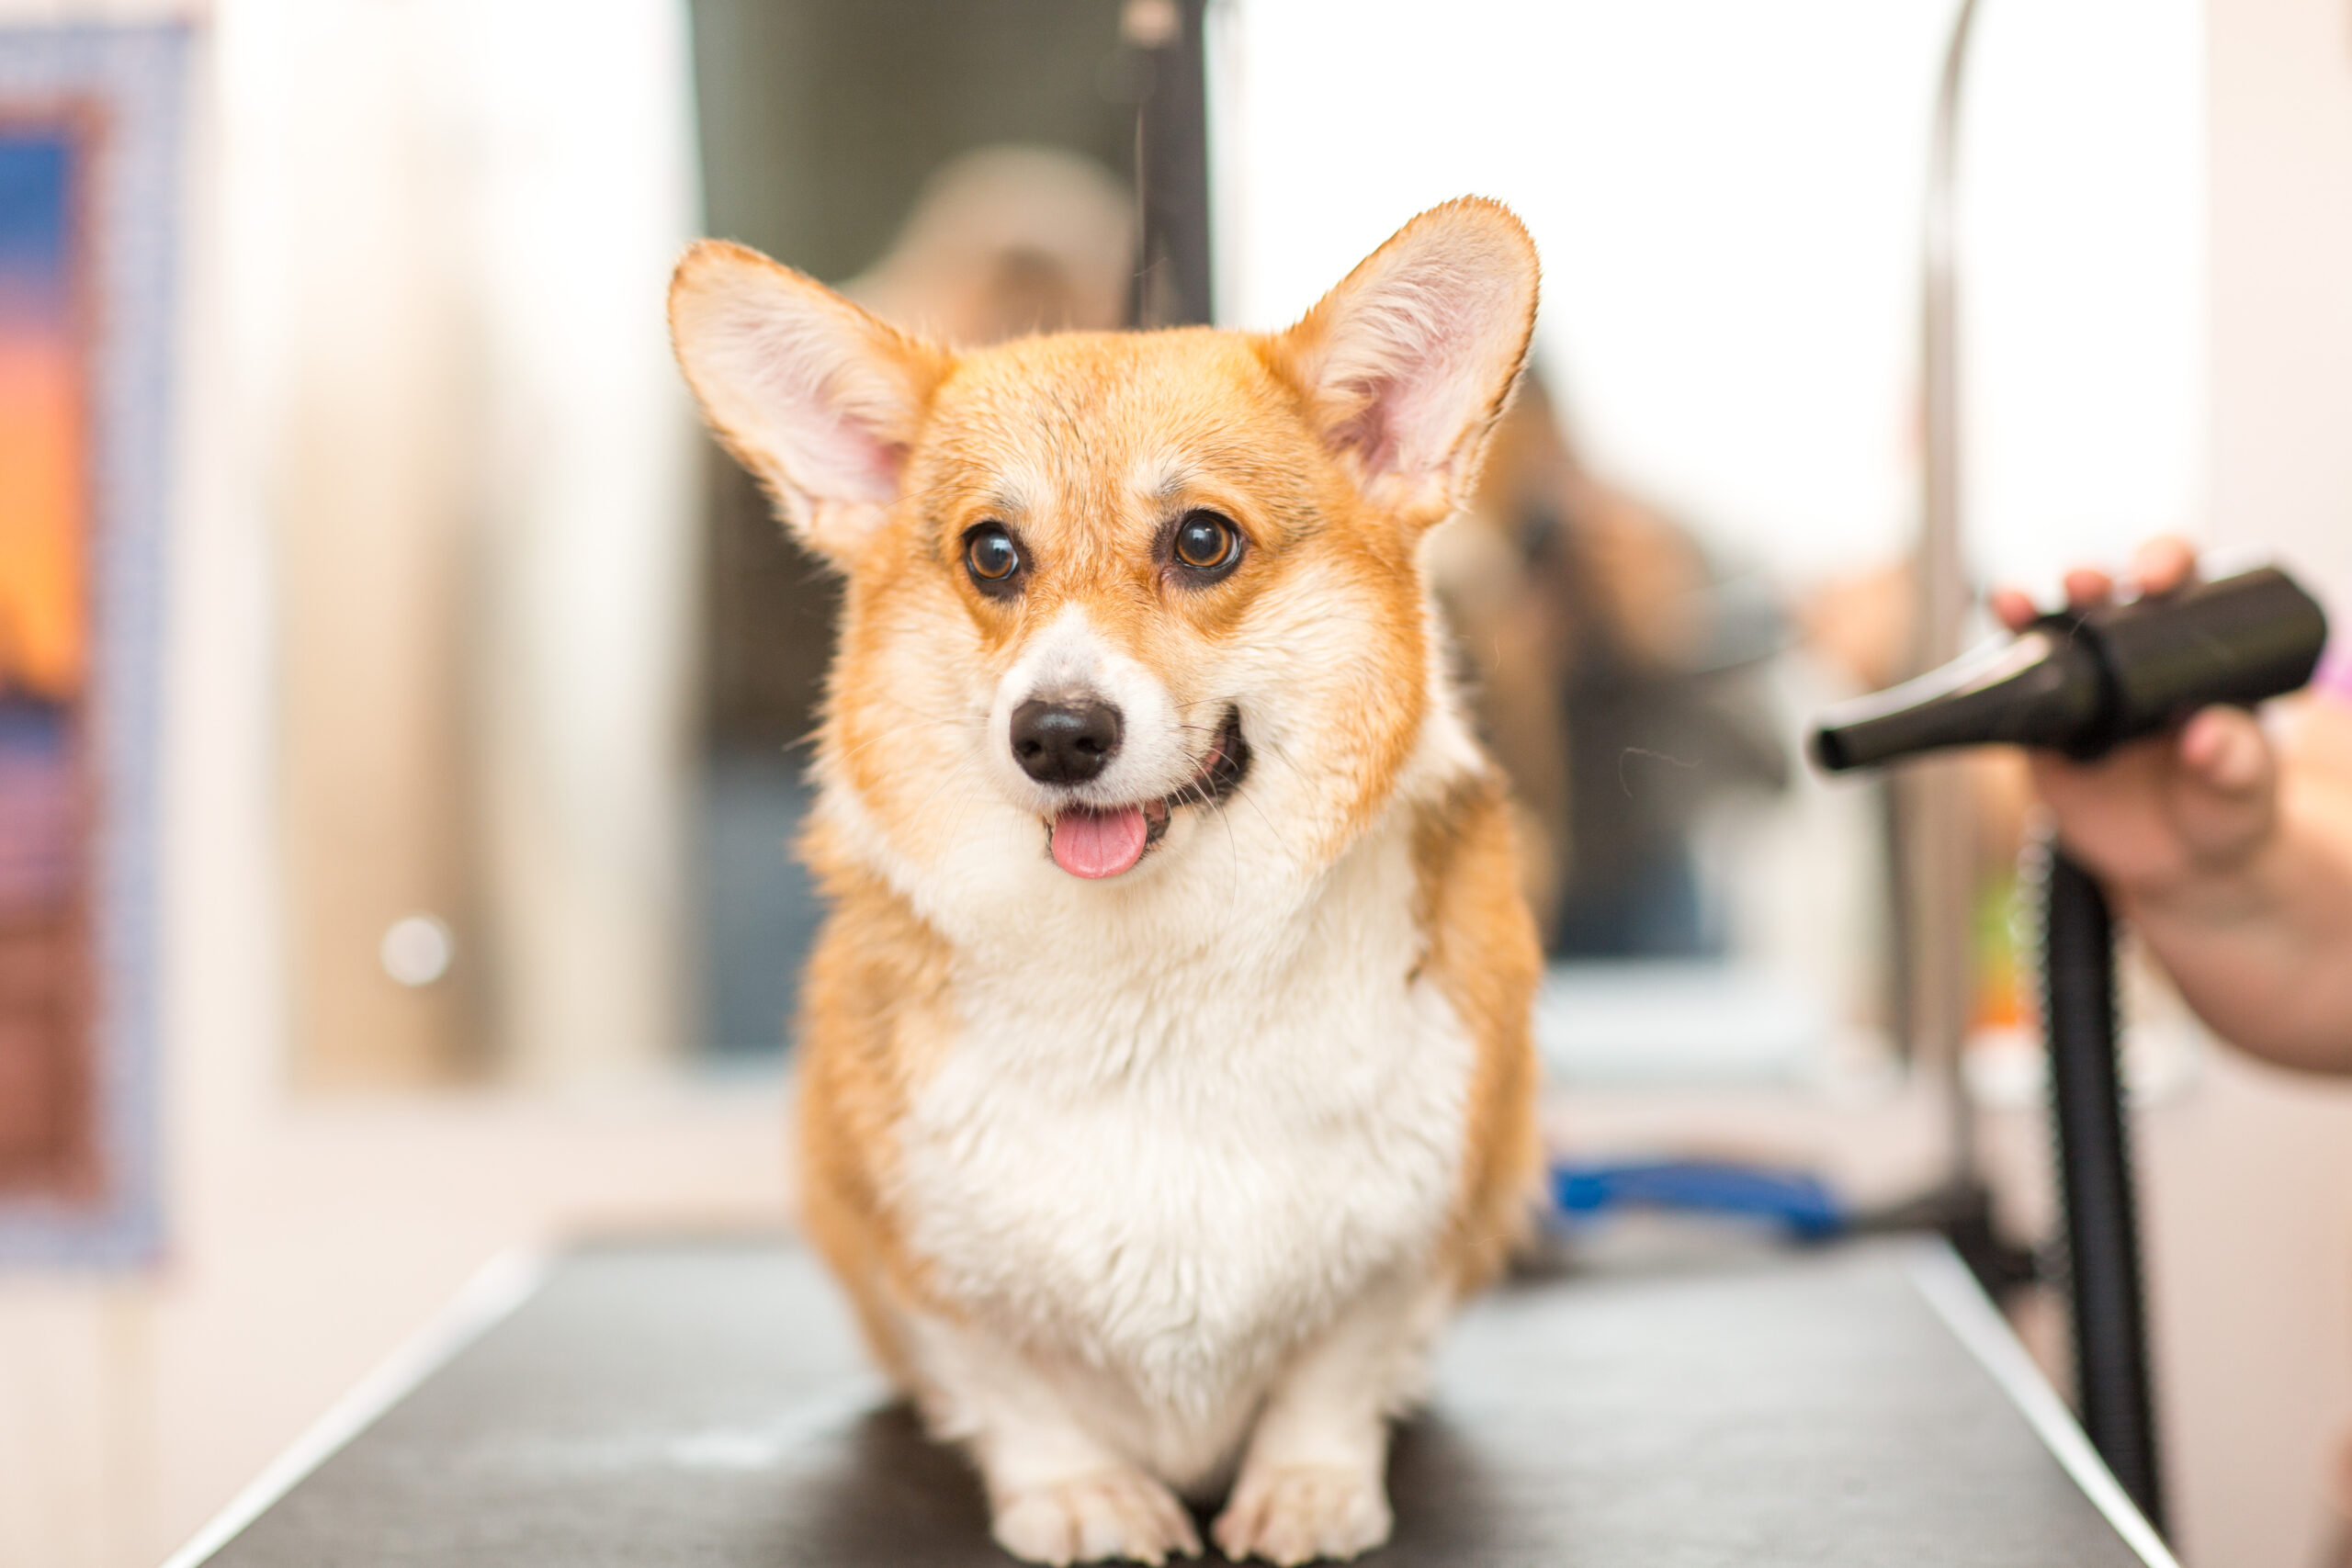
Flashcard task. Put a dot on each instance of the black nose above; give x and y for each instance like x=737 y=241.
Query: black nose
x=1065 y=742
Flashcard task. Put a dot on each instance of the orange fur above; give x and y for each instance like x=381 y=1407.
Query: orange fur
x=876 y=995
x=1484 y=955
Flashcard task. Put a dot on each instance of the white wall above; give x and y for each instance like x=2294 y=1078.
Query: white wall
x=2250 y=1179
x=1728 y=198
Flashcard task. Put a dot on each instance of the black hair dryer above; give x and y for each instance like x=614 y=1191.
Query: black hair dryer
x=2084 y=685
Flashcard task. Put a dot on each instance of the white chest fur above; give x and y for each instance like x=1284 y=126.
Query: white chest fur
x=1169 y=1168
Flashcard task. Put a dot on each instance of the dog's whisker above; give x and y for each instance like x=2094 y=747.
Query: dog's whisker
x=876 y=740
x=955 y=773
x=1233 y=863
x=979 y=717
x=1224 y=806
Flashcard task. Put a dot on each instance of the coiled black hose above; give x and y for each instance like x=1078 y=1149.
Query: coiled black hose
x=2093 y=1154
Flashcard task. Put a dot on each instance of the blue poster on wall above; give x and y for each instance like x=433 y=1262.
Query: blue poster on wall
x=89 y=171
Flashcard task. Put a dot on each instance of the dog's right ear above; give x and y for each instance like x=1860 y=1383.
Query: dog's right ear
x=819 y=398
x=1409 y=363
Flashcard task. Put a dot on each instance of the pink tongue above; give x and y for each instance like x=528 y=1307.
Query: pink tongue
x=1098 y=843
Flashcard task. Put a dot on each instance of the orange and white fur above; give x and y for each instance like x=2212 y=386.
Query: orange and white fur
x=1166 y=1075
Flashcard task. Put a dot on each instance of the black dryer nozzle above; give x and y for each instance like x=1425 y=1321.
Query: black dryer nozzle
x=2084 y=685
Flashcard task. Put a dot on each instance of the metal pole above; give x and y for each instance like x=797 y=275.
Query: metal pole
x=1933 y=832
x=1171 y=163
x=1934 y=829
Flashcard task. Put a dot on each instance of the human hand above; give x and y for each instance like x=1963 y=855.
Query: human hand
x=2174 y=815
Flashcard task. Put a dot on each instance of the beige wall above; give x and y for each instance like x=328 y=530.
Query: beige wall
x=2247 y=1188
x=2279 y=108
x=2250 y=1178
x=446 y=230
x=361 y=397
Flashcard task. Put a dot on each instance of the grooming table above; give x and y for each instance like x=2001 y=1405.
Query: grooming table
x=705 y=1403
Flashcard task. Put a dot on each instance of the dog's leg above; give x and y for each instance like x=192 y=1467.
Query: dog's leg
x=1313 y=1483
x=1056 y=1493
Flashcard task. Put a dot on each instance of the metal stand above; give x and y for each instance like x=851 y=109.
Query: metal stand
x=1171 y=285
x=2094 y=1153
x=2087 y=1123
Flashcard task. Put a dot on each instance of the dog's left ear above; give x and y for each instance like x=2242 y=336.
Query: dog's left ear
x=1408 y=362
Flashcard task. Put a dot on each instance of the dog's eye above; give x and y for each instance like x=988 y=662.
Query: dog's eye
x=1206 y=543
x=992 y=558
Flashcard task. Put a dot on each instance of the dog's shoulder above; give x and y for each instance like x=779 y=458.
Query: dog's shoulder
x=1481 y=943
x=877 y=1017
x=1483 y=955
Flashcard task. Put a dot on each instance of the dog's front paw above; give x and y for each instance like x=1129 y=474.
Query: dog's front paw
x=1295 y=1513
x=1109 y=1513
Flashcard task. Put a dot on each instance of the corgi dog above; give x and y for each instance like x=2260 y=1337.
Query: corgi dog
x=1166 y=1074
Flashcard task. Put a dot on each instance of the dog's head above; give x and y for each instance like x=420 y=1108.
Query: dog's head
x=1106 y=589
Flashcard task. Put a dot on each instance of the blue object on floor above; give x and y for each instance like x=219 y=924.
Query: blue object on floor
x=1799 y=1202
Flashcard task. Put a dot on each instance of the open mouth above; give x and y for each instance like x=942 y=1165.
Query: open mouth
x=1096 y=843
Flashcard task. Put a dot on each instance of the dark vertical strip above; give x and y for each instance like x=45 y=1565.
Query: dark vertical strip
x=1171 y=163
x=2095 y=1175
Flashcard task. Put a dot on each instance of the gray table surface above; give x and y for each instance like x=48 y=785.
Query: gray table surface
x=705 y=1403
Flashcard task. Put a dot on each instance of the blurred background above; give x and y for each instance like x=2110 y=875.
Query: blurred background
x=402 y=701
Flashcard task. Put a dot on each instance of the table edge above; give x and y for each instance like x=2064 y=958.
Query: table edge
x=502 y=1286
x=1953 y=1293
x=494 y=1293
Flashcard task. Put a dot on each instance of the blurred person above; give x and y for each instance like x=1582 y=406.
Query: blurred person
x=2228 y=852
x=1610 y=682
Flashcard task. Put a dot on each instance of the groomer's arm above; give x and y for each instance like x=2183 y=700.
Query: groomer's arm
x=2233 y=863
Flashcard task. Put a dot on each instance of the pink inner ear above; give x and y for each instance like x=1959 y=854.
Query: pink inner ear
x=820 y=399
x=886 y=461
x=1366 y=432
x=860 y=465
x=814 y=408
x=1406 y=362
